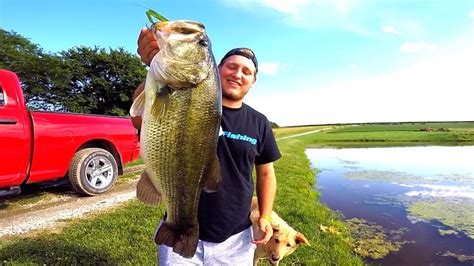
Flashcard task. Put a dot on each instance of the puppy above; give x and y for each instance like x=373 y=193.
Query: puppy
x=283 y=242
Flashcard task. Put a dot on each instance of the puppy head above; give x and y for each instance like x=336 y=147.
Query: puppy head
x=283 y=242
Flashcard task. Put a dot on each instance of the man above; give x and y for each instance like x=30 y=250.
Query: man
x=225 y=236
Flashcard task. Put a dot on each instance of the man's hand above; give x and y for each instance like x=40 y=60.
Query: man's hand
x=147 y=45
x=264 y=226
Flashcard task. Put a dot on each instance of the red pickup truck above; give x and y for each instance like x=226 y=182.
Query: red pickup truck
x=88 y=150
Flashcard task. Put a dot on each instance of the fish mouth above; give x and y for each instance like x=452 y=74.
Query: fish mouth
x=179 y=26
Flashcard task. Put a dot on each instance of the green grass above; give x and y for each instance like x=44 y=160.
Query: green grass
x=36 y=195
x=27 y=200
x=407 y=126
x=397 y=135
x=296 y=202
x=134 y=163
x=122 y=236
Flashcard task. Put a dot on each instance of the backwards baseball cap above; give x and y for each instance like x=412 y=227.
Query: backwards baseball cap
x=245 y=52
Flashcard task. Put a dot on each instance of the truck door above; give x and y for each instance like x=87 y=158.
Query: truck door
x=14 y=134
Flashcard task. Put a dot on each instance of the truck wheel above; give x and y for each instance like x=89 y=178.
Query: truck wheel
x=92 y=171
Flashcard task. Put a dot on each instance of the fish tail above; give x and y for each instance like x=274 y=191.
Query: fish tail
x=187 y=243
x=166 y=235
x=184 y=241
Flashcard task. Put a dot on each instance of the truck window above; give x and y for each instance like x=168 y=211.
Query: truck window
x=2 y=97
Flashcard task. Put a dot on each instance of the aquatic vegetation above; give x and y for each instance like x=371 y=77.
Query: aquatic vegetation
x=372 y=240
x=460 y=257
x=406 y=178
x=392 y=199
x=352 y=167
x=447 y=232
x=458 y=178
x=348 y=162
x=383 y=176
x=458 y=215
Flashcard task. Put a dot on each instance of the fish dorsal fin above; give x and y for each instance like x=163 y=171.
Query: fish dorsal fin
x=138 y=105
x=161 y=103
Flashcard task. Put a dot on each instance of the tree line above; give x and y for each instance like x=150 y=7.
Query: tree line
x=80 y=79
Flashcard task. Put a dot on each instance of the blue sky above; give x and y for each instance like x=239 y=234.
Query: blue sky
x=321 y=61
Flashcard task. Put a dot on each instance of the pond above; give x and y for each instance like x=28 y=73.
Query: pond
x=422 y=197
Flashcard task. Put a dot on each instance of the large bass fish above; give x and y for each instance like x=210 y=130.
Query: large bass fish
x=181 y=111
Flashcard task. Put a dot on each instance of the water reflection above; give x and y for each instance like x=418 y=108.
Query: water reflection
x=429 y=190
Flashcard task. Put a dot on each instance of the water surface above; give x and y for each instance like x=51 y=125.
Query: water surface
x=382 y=185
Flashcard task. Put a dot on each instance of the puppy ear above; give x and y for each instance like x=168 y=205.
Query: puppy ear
x=275 y=227
x=300 y=239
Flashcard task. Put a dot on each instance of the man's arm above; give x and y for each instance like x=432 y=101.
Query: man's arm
x=266 y=190
x=147 y=49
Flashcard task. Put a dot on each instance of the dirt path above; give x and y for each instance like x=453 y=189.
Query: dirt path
x=302 y=134
x=47 y=214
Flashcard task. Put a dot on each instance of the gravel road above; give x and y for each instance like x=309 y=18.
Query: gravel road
x=48 y=214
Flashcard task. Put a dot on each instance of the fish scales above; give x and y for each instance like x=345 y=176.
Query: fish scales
x=170 y=155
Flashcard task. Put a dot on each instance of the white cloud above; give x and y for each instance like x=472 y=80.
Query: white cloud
x=413 y=47
x=269 y=68
x=389 y=29
x=434 y=89
x=297 y=7
x=403 y=26
x=472 y=14
x=354 y=16
x=312 y=14
x=392 y=30
x=292 y=7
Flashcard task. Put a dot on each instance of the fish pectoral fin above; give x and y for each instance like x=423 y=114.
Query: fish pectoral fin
x=212 y=179
x=161 y=103
x=183 y=239
x=138 y=105
x=147 y=191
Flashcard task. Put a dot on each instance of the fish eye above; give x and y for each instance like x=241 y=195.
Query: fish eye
x=203 y=42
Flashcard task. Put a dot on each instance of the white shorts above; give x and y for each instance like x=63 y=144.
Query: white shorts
x=236 y=250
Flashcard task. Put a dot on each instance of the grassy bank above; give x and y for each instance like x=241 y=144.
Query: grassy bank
x=398 y=134
x=118 y=237
x=297 y=203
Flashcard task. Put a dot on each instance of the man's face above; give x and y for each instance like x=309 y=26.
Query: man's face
x=237 y=77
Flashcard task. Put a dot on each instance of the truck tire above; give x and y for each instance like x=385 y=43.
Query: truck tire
x=92 y=171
